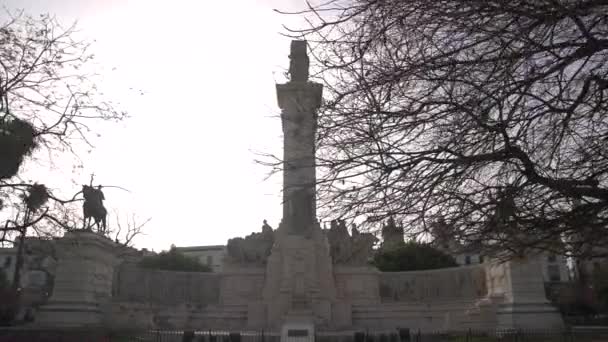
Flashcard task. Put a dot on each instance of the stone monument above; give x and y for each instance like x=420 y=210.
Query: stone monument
x=83 y=281
x=299 y=278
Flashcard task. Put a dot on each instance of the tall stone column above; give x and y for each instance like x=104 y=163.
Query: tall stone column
x=299 y=99
x=299 y=277
x=83 y=281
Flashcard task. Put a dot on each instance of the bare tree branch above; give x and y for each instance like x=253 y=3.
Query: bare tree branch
x=451 y=110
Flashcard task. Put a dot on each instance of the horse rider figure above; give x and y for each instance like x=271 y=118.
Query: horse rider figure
x=93 y=207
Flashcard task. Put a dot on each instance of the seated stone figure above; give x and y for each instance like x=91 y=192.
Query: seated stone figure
x=253 y=249
x=355 y=250
x=340 y=244
x=363 y=248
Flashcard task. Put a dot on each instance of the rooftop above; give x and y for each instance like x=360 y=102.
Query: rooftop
x=200 y=248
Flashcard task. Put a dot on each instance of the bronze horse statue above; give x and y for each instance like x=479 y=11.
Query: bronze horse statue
x=93 y=208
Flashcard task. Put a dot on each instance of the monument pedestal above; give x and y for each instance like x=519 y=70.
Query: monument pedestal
x=299 y=278
x=523 y=304
x=298 y=328
x=83 y=282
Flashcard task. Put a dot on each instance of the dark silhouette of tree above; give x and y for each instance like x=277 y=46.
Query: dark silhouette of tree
x=600 y=287
x=16 y=142
x=48 y=100
x=127 y=229
x=490 y=114
x=7 y=301
x=173 y=260
x=3 y=281
x=412 y=256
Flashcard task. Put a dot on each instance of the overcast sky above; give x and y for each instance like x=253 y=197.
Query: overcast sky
x=198 y=79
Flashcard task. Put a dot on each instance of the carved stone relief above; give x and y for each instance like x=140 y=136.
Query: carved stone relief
x=355 y=250
x=255 y=248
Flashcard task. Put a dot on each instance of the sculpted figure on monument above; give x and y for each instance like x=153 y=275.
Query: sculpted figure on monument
x=355 y=250
x=444 y=235
x=392 y=235
x=93 y=207
x=363 y=248
x=255 y=248
x=505 y=207
x=298 y=62
x=340 y=244
x=266 y=228
x=354 y=231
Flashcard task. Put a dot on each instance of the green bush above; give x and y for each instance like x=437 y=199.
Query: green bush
x=173 y=261
x=412 y=256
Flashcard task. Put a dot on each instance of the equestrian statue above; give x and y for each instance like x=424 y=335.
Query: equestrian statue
x=93 y=208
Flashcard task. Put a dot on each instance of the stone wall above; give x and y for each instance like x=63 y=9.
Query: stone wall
x=133 y=315
x=157 y=299
x=457 y=283
x=242 y=286
x=357 y=285
x=428 y=300
x=164 y=299
x=139 y=285
x=424 y=316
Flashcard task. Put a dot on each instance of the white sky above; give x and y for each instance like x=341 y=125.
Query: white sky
x=207 y=70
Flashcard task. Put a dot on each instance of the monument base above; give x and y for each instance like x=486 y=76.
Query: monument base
x=528 y=316
x=69 y=315
x=518 y=291
x=298 y=327
x=256 y=315
x=83 y=281
x=299 y=277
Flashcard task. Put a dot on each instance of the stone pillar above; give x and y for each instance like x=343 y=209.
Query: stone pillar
x=299 y=99
x=299 y=284
x=83 y=281
x=517 y=289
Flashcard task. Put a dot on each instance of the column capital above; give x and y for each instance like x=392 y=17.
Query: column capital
x=305 y=94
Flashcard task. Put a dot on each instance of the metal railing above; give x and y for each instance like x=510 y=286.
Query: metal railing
x=583 y=334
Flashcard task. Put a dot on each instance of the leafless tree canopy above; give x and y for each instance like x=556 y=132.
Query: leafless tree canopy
x=48 y=100
x=488 y=114
x=127 y=228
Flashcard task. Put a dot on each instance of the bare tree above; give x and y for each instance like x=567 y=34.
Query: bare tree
x=128 y=227
x=489 y=116
x=48 y=100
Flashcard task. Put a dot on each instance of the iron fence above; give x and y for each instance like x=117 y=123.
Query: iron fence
x=397 y=335
x=74 y=335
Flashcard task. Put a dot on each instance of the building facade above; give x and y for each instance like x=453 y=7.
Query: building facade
x=212 y=256
x=554 y=267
